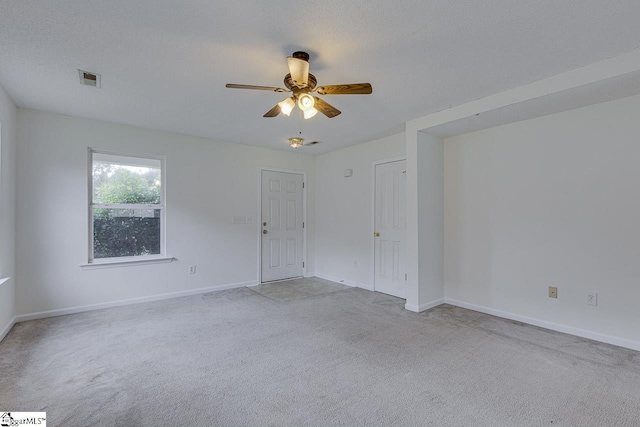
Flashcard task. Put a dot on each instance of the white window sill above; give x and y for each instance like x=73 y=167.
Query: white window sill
x=125 y=263
x=6 y=279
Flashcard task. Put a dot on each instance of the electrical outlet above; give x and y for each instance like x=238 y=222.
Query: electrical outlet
x=553 y=292
x=592 y=298
x=192 y=269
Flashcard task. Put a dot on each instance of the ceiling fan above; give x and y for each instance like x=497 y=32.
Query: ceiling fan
x=302 y=84
x=298 y=141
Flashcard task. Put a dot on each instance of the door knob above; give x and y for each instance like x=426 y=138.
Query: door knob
x=264 y=223
x=376 y=234
x=264 y=231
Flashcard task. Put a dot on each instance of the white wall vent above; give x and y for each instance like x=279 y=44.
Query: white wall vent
x=89 y=79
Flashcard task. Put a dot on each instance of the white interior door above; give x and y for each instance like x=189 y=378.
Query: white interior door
x=390 y=222
x=282 y=227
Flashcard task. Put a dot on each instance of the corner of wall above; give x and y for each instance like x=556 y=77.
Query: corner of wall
x=8 y=173
x=425 y=219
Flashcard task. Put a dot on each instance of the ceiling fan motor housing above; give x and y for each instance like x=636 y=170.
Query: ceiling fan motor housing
x=301 y=55
x=288 y=82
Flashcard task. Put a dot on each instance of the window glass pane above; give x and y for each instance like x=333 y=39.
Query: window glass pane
x=120 y=179
x=127 y=160
x=125 y=232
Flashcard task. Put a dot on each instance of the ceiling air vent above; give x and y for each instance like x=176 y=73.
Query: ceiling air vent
x=89 y=79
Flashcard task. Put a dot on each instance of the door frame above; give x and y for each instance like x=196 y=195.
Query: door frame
x=373 y=213
x=304 y=217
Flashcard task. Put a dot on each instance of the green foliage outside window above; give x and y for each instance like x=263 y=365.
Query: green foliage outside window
x=122 y=232
x=116 y=184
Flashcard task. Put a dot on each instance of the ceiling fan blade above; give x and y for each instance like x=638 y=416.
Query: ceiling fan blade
x=273 y=112
x=299 y=69
x=311 y=143
x=325 y=108
x=270 y=88
x=348 y=89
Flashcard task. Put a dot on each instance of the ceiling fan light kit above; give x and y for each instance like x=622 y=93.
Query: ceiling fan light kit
x=308 y=113
x=302 y=83
x=295 y=142
x=287 y=105
x=305 y=102
x=298 y=141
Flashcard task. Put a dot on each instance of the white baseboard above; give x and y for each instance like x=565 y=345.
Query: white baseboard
x=100 y=306
x=596 y=336
x=7 y=328
x=344 y=281
x=422 y=307
x=309 y=274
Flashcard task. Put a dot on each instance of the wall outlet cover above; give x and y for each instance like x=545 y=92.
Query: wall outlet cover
x=553 y=292
x=592 y=298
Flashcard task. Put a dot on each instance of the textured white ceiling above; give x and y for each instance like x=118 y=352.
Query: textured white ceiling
x=164 y=64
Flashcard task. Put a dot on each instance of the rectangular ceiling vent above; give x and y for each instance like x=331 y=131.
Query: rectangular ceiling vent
x=89 y=79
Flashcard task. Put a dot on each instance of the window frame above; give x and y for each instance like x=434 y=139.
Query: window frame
x=137 y=259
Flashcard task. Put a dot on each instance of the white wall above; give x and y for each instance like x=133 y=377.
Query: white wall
x=430 y=220
x=425 y=223
x=344 y=215
x=8 y=141
x=208 y=183
x=549 y=201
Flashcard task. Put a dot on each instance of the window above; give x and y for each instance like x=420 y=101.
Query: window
x=126 y=207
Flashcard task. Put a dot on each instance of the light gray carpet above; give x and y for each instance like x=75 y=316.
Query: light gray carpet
x=310 y=356
x=291 y=290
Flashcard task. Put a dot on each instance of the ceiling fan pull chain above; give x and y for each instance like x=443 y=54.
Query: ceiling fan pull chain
x=300 y=123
